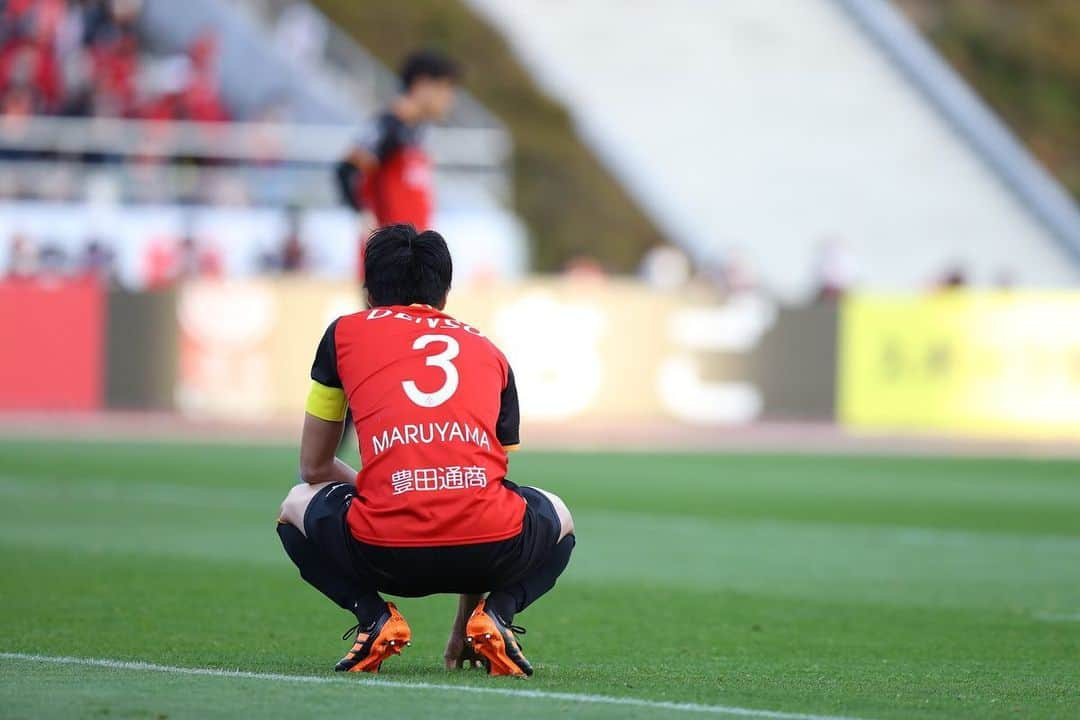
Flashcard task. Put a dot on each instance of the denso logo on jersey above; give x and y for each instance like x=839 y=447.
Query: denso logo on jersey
x=435 y=323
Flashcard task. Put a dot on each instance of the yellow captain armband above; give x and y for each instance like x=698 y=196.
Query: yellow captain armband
x=326 y=403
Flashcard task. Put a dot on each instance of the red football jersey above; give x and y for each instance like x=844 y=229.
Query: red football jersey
x=435 y=408
x=400 y=189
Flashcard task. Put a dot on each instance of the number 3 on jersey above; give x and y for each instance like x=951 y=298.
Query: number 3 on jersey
x=443 y=362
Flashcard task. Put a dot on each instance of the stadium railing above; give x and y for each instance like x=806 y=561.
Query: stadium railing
x=277 y=163
x=971 y=117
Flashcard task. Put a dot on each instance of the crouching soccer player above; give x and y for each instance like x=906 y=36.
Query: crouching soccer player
x=431 y=511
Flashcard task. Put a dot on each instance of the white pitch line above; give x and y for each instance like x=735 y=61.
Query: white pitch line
x=1057 y=617
x=403 y=685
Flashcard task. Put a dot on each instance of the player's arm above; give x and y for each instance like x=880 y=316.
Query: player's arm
x=458 y=654
x=350 y=173
x=383 y=137
x=508 y=426
x=324 y=419
x=318 y=444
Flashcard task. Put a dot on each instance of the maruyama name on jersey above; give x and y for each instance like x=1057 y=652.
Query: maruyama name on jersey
x=427 y=433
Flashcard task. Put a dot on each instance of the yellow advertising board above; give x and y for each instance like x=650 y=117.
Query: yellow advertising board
x=1002 y=364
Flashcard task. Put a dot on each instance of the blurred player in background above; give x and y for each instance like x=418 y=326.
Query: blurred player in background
x=387 y=175
x=431 y=510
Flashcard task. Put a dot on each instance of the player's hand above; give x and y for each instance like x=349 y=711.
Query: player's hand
x=459 y=654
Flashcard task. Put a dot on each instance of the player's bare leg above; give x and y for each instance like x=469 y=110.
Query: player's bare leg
x=490 y=629
x=380 y=631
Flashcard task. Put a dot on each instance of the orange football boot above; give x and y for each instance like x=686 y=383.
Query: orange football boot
x=488 y=635
x=388 y=636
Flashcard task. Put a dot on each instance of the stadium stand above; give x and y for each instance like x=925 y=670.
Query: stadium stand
x=799 y=130
x=132 y=130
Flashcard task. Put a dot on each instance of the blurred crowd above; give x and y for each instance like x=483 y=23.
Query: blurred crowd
x=163 y=261
x=93 y=59
x=835 y=272
x=167 y=259
x=88 y=59
x=85 y=58
x=26 y=260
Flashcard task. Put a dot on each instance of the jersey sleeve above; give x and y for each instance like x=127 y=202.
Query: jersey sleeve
x=349 y=181
x=508 y=426
x=383 y=137
x=326 y=398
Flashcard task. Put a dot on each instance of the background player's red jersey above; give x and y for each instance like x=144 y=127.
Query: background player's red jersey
x=399 y=190
x=435 y=408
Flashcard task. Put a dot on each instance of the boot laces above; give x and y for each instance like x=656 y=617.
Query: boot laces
x=356 y=629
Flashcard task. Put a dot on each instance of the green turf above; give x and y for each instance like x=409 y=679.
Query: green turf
x=867 y=587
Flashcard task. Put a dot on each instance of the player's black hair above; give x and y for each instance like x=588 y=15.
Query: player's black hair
x=428 y=64
x=402 y=267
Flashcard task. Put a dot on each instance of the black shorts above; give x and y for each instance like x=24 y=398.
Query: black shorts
x=419 y=571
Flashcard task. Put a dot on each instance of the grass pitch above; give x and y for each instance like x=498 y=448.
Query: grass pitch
x=861 y=587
